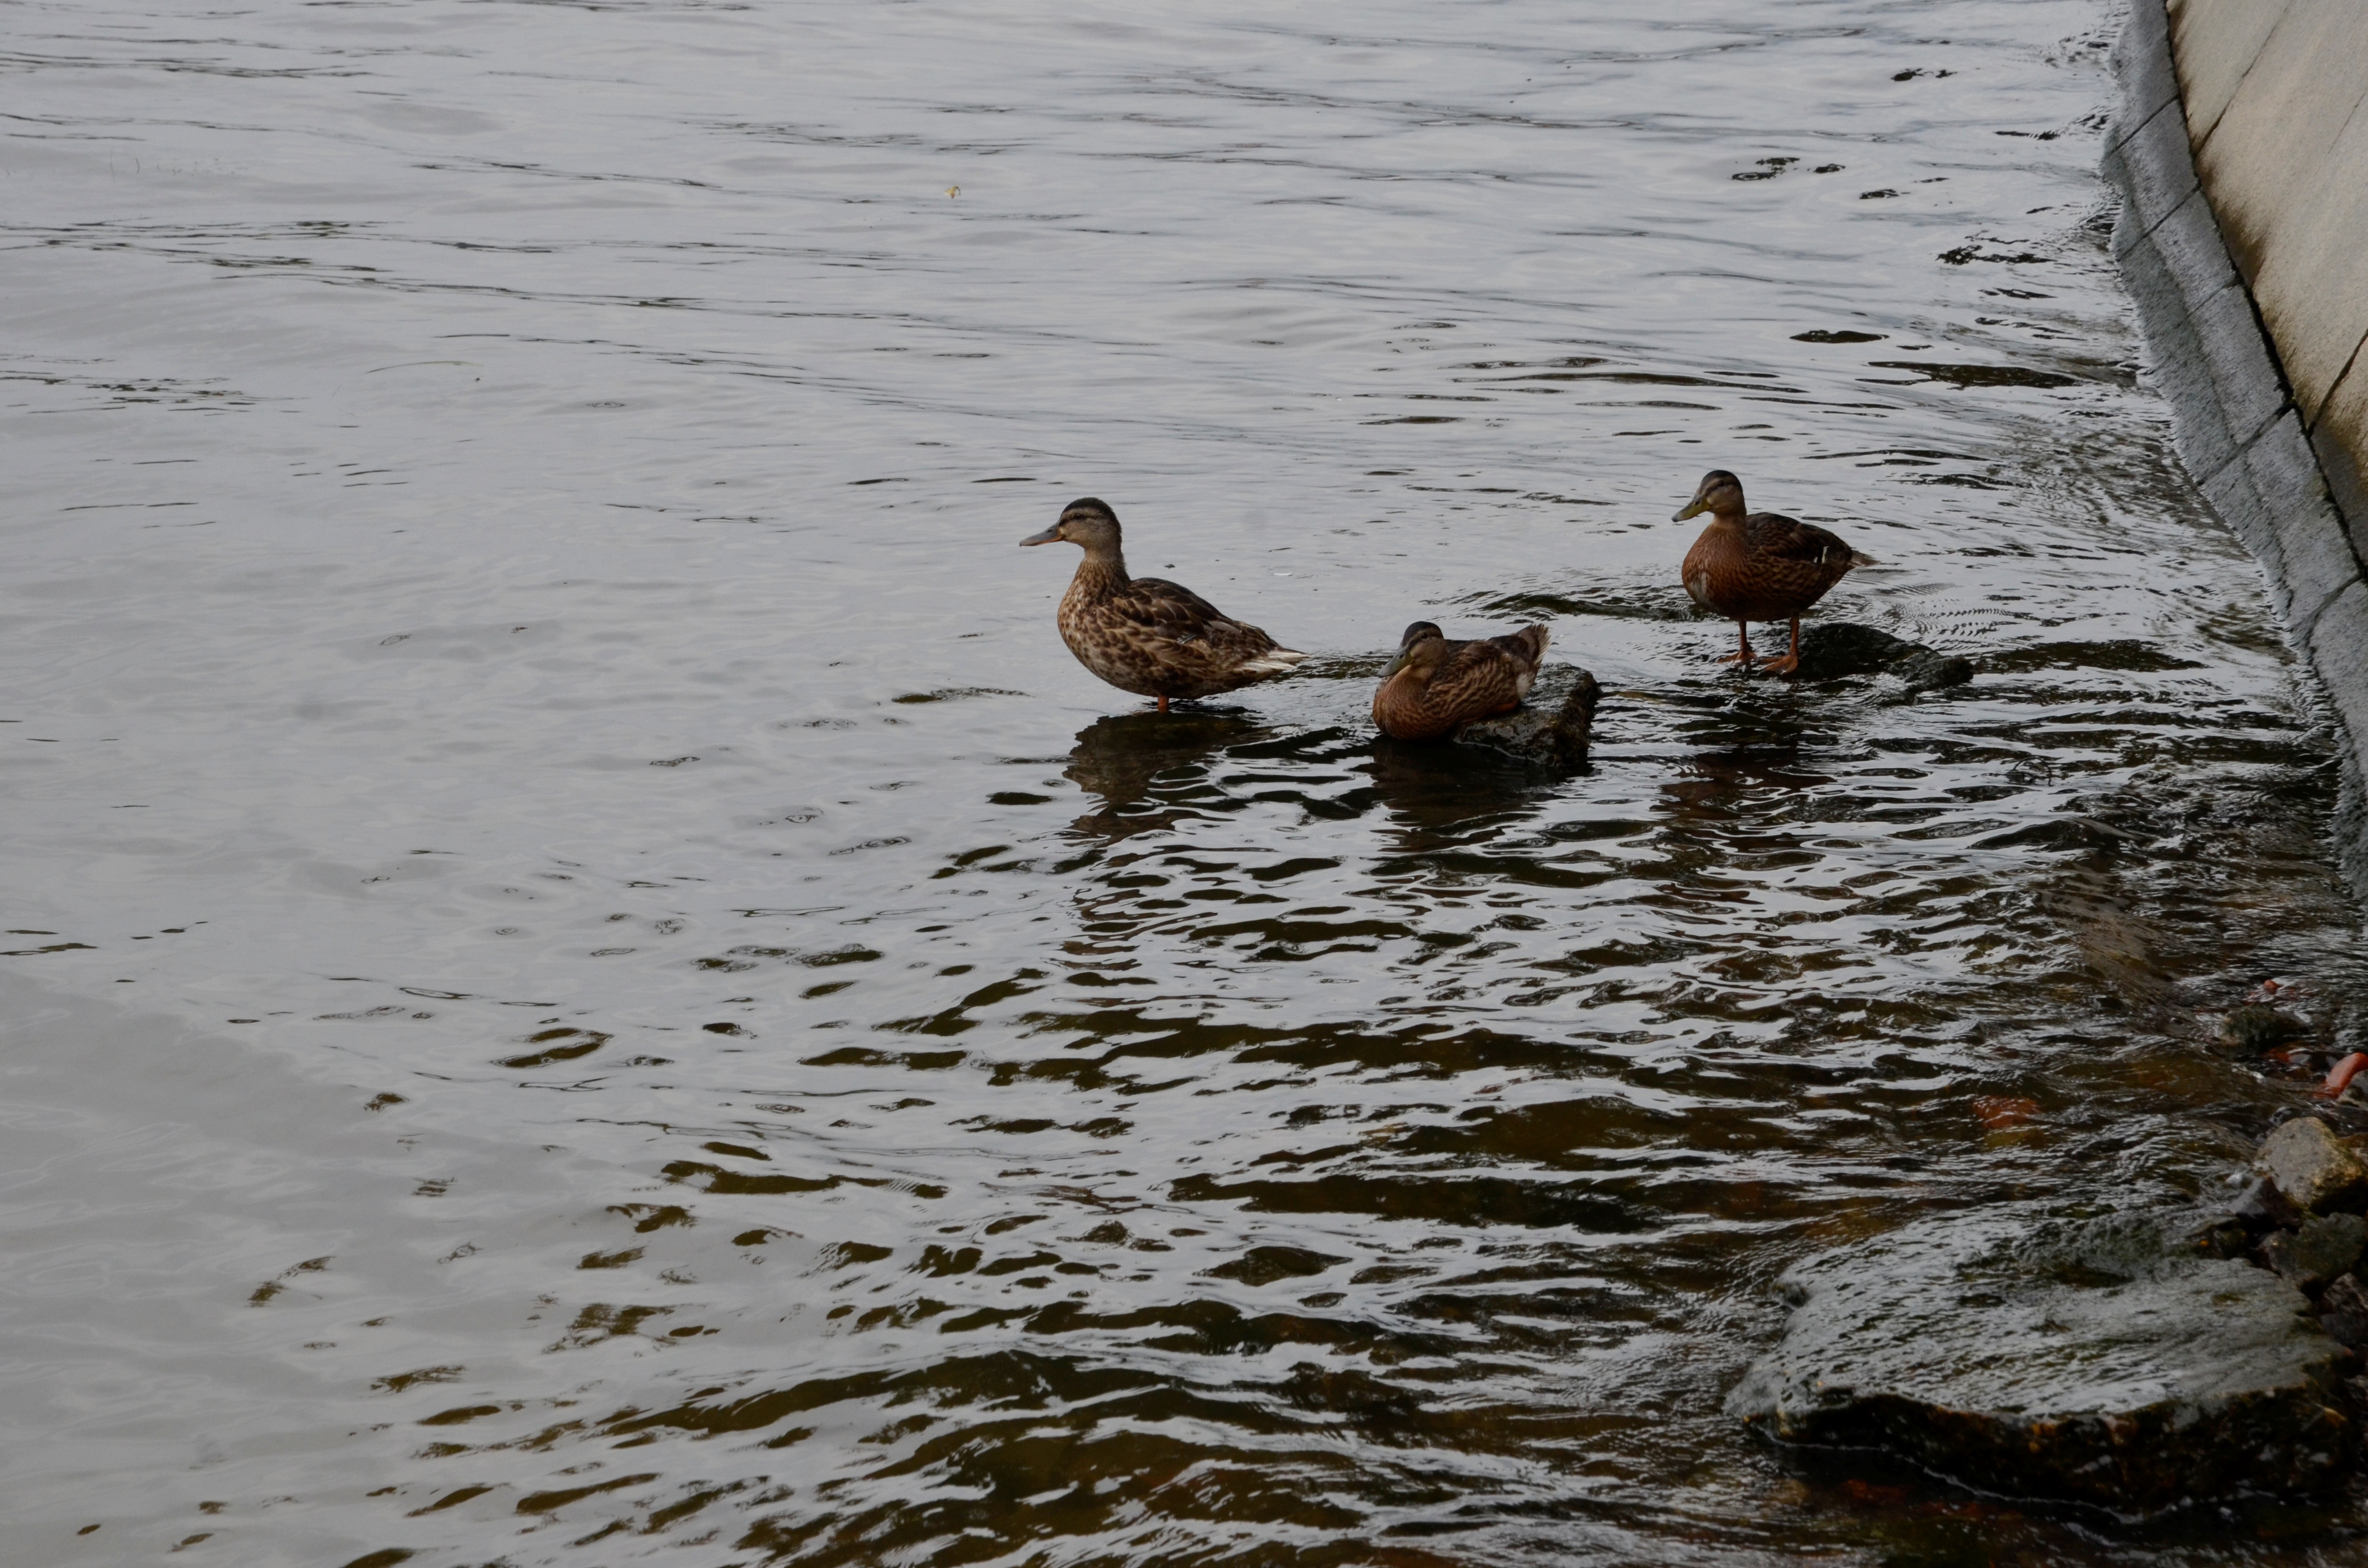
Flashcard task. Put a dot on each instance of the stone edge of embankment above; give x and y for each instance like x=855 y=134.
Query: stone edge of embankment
x=2239 y=432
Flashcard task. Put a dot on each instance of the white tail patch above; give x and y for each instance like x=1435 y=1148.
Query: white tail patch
x=1281 y=661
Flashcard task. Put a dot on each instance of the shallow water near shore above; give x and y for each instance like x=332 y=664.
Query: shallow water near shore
x=589 y=983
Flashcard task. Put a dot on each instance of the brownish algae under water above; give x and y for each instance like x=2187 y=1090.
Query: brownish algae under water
x=591 y=984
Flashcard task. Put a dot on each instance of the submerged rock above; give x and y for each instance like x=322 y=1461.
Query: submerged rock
x=2256 y=1027
x=2313 y=1169
x=2097 y=1361
x=1551 y=729
x=2262 y=1207
x=1831 y=648
x=2214 y=1233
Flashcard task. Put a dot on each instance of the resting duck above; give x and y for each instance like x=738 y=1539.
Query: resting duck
x=1759 y=567
x=1146 y=635
x=1435 y=685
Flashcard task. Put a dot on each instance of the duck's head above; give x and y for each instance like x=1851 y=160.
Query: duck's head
x=1424 y=649
x=1719 y=494
x=1083 y=521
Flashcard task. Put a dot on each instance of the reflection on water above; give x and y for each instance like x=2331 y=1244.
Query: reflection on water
x=1439 y=796
x=1150 y=768
x=592 y=982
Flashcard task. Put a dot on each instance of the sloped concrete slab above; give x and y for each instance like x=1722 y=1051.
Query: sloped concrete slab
x=2291 y=485
x=2216 y=44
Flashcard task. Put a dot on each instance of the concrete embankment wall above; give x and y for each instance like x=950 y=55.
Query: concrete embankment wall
x=2274 y=91
x=2241 y=152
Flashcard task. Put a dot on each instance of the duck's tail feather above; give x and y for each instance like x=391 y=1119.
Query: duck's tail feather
x=1273 y=662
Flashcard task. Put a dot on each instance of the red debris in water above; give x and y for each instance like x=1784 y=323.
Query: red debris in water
x=1998 y=1112
x=2342 y=1072
x=1867 y=1492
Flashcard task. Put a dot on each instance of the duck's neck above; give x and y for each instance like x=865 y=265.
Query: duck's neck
x=1101 y=573
x=1730 y=519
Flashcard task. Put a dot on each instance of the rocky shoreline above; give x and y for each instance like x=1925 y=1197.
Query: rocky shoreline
x=2120 y=1362
x=2136 y=1362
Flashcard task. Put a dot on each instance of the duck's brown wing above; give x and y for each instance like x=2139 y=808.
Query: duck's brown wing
x=1784 y=566
x=1489 y=676
x=1179 y=613
x=1789 y=540
x=1197 y=645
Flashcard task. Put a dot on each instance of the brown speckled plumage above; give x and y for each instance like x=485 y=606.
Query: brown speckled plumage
x=1436 y=685
x=1148 y=635
x=1760 y=566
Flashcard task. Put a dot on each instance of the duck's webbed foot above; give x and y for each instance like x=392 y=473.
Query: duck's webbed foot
x=1743 y=654
x=1786 y=663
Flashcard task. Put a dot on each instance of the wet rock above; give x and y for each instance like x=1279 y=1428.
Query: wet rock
x=2343 y=1311
x=2326 y=1246
x=1831 y=648
x=1551 y=729
x=2262 y=1207
x=2093 y=1361
x=2313 y=1169
x=2258 y=1027
x=2216 y=1233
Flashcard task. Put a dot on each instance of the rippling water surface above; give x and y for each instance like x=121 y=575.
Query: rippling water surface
x=590 y=980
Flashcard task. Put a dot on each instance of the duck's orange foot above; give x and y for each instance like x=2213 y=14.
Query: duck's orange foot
x=1780 y=663
x=1746 y=659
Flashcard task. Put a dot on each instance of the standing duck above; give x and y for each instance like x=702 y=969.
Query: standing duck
x=1760 y=566
x=1146 y=635
x=1435 y=685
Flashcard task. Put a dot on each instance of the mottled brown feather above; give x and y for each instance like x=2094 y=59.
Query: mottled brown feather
x=1764 y=567
x=1148 y=635
x=1440 y=685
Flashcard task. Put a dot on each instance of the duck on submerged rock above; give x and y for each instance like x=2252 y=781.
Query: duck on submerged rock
x=1435 y=685
x=1758 y=566
x=1148 y=635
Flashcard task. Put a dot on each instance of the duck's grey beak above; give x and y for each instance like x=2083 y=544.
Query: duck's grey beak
x=1396 y=666
x=1692 y=508
x=1048 y=537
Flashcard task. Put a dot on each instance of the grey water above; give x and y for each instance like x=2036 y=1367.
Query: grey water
x=589 y=983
